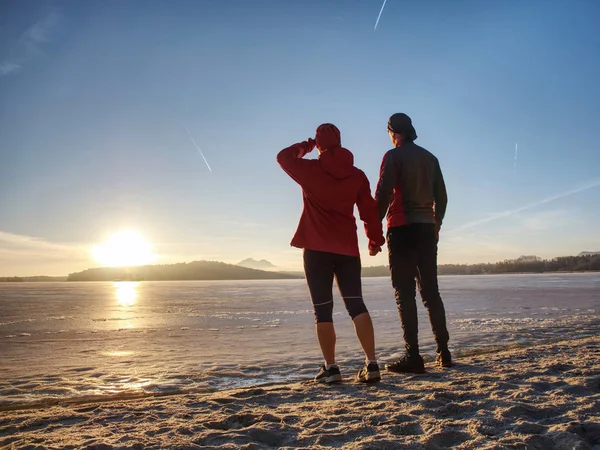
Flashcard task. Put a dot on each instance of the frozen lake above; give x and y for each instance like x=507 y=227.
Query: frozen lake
x=77 y=341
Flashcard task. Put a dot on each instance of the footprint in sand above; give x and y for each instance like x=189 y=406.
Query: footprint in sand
x=233 y=422
x=529 y=428
x=447 y=439
x=273 y=436
x=406 y=429
x=537 y=442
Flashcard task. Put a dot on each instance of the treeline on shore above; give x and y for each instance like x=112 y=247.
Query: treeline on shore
x=37 y=278
x=524 y=264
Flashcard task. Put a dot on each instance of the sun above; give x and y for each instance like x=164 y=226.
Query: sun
x=125 y=248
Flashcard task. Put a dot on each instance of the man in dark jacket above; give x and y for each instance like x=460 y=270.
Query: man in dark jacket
x=331 y=186
x=412 y=192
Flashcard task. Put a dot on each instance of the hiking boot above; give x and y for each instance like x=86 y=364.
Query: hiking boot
x=369 y=373
x=407 y=364
x=328 y=376
x=443 y=358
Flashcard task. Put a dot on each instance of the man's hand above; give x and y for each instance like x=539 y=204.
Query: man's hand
x=311 y=144
x=374 y=249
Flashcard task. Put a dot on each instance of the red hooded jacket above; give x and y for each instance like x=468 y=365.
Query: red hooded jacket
x=331 y=186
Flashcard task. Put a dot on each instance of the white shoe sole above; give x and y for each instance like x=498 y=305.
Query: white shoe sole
x=371 y=377
x=332 y=379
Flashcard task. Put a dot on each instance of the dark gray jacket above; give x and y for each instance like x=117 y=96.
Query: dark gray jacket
x=411 y=187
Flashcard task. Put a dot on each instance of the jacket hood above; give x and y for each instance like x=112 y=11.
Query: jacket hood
x=328 y=136
x=338 y=162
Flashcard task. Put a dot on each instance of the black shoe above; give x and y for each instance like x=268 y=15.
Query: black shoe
x=331 y=375
x=369 y=373
x=444 y=358
x=406 y=364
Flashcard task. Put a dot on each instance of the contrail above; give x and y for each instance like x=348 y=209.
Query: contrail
x=516 y=152
x=198 y=148
x=504 y=214
x=379 y=16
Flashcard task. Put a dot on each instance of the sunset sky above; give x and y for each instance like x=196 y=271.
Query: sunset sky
x=95 y=97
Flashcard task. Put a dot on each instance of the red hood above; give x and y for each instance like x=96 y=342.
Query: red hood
x=328 y=137
x=338 y=162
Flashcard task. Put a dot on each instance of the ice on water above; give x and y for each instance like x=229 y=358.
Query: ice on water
x=63 y=342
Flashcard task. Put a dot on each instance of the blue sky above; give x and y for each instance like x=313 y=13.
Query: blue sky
x=94 y=97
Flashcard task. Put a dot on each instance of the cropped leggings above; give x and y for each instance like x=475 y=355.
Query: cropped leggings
x=320 y=269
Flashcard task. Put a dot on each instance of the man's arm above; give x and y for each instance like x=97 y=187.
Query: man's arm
x=367 y=210
x=440 y=196
x=290 y=160
x=385 y=186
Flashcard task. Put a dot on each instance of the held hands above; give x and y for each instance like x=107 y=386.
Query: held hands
x=374 y=249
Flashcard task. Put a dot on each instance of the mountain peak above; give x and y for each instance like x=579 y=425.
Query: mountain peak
x=254 y=264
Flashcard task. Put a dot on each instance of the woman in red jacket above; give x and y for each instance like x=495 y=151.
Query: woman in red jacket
x=331 y=186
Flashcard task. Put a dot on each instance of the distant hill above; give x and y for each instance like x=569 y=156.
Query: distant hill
x=294 y=273
x=212 y=270
x=32 y=279
x=197 y=270
x=263 y=264
x=375 y=271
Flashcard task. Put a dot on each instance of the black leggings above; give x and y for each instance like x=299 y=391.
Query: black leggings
x=320 y=269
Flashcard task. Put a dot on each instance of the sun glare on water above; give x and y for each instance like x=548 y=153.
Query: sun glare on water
x=126 y=248
x=126 y=293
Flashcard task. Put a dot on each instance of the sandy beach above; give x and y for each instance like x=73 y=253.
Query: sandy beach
x=544 y=397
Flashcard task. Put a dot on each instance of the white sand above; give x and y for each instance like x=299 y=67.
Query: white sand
x=546 y=397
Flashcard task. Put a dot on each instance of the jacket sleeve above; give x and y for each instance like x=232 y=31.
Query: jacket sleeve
x=385 y=186
x=440 y=196
x=367 y=210
x=290 y=160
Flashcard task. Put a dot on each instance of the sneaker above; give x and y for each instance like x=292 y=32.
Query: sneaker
x=444 y=358
x=413 y=364
x=369 y=373
x=331 y=375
